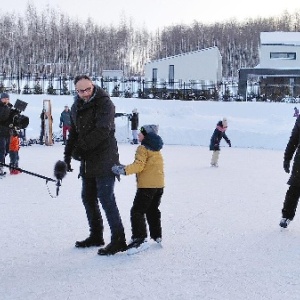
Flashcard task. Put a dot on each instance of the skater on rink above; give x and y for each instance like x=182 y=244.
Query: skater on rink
x=148 y=166
x=215 y=140
x=65 y=122
x=5 y=109
x=14 y=147
x=296 y=112
x=134 y=119
x=92 y=141
x=293 y=193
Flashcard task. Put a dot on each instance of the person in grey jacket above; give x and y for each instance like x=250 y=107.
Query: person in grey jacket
x=65 y=122
x=92 y=141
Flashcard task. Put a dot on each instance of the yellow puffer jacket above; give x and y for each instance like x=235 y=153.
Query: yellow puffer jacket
x=148 y=166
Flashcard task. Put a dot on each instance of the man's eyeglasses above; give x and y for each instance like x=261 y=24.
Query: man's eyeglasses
x=87 y=90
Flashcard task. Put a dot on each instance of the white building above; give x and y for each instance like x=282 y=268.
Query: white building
x=279 y=56
x=202 y=65
x=279 y=50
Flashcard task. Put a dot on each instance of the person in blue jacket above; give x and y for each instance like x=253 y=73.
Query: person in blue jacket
x=65 y=122
x=215 y=140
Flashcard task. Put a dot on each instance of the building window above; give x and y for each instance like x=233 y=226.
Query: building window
x=154 y=75
x=283 y=55
x=171 y=74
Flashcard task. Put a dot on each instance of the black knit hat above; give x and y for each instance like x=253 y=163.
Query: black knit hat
x=4 y=95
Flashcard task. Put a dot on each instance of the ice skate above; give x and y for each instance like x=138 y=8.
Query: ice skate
x=284 y=222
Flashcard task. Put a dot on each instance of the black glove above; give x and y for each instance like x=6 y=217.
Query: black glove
x=78 y=153
x=68 y=163
x=286 y=166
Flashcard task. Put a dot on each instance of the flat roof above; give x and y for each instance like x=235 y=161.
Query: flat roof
x=280 y=38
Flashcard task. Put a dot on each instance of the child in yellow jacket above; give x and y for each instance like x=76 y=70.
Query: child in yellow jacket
x=14 y=147
x=148 y=166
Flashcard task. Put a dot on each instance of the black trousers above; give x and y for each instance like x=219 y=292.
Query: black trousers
x=102 y=189
x=146 y=206
x=291 y=202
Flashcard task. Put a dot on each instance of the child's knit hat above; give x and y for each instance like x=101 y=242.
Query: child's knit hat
x=149 y=128
x=224 y=122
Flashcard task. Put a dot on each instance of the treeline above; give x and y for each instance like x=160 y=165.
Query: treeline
x=50 y=42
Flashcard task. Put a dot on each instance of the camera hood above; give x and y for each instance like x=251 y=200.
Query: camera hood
x=20 y=105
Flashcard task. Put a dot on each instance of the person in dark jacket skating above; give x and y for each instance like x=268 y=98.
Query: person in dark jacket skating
x=134 y=119
x=92 y=141
x=215 y=140
x=293 y=193
x=65 y=122
x=5 y=111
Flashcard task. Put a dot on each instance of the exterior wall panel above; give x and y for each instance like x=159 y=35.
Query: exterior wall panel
x=204 y=64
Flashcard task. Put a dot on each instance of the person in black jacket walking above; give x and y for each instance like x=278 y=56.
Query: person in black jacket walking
x=215 y=140
x=5 y=110
x=293 y=193
x=134 y=119
x=92 y=141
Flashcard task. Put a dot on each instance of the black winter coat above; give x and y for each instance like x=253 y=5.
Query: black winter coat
x=134 y=118
x=92 y=135
x=5 y=119
x=292 y=146
x=217 y=136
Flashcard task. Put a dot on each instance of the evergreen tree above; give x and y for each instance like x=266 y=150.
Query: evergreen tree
x=26 y=90
x=50 y=89
x=37 y=89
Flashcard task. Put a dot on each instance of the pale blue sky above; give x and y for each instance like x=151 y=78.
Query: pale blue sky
x=155 y=14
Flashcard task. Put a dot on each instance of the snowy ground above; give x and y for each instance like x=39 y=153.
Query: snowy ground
x=221 y=238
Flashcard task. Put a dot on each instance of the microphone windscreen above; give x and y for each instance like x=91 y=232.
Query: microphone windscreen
x=60 y=170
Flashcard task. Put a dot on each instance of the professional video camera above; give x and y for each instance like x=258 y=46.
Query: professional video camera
x=16 y=119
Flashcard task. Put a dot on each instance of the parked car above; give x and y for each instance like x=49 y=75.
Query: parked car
x=289 y=99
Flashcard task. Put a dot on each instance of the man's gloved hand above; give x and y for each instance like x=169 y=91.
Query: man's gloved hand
x=68 y=163
x=78 y=153
x=286 y=166
x=118 y=170
x=60 y=126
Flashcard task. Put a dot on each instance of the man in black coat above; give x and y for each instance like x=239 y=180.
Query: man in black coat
x=5 y=111
x=293 y=193
x=92 y=141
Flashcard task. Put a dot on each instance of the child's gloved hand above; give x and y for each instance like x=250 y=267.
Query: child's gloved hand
x=118 y=170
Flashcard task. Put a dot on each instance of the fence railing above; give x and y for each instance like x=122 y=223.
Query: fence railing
x=27 y=83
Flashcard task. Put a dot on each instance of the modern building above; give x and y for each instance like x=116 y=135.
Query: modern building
x=200 y=65
x=279 y=64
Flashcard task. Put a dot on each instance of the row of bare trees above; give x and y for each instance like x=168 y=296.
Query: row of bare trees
x=52 y=43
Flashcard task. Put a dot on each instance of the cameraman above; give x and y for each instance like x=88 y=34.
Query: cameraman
x=5 y=110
